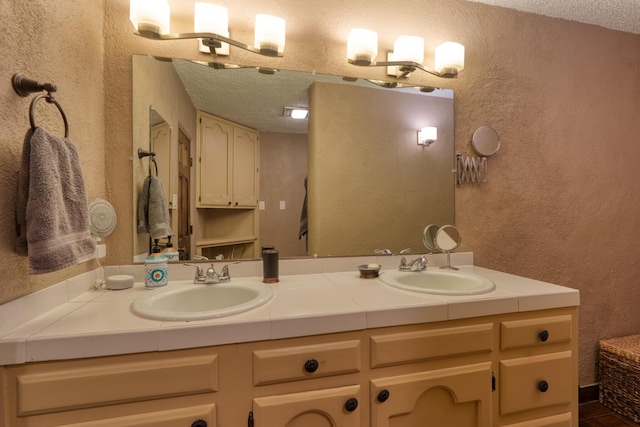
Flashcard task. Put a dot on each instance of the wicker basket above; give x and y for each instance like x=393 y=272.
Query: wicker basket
x=619 y=369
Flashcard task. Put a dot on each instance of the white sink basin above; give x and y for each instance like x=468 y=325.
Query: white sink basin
x=441 y=282
x=188 y=301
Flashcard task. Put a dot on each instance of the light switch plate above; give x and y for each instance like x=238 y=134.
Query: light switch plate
x=282 y=204
x=261 y=205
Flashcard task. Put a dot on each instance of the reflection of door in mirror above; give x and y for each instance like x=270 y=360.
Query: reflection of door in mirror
x=184 y=206
x=161 y=146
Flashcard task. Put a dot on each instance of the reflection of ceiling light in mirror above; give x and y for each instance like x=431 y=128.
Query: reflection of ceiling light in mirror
x=296 y=113
x=427 y=135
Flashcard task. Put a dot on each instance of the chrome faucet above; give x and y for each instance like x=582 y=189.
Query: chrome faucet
x=418 y=264
x=211 y=276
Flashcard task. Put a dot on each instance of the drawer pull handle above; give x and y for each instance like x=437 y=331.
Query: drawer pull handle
x=311 y=366
x=199 y=423
x=383 y=395
x=544 y=335
x=351 y=404
x=543 y=386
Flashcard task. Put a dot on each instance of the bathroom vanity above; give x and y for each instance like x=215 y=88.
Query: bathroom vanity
x=330 y=349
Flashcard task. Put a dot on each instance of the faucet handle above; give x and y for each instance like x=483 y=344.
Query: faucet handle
x=199 y=277
x=224 y=273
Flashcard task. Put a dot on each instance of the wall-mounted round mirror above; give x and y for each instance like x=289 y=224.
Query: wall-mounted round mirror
x=429 y=237
x=485 y=141
x=447 y=238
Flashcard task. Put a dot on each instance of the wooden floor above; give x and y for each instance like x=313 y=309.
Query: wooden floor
x=593 y=414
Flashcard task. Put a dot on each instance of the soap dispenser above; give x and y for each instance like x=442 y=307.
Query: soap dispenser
x=170 y=252
x=155 y=267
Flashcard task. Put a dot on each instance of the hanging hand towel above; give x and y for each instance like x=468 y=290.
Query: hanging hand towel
x=51 y=205
x=153 y=210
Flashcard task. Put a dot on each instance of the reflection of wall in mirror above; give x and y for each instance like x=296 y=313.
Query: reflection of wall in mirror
x=283 y=168
x=370 y=135
x=156 y=84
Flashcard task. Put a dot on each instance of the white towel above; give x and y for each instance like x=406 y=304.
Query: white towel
x=51 y=205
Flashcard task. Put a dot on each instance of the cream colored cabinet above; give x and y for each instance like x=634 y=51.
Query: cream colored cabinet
x=538 y=371
x=458 y=396
x=296 y=366
x=158 y=389
x=443 y=387
x=316 y=408
x=227 y=167
x=512 y=370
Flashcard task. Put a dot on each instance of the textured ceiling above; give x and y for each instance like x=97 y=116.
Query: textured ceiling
x=245 y=96
x=623 y=15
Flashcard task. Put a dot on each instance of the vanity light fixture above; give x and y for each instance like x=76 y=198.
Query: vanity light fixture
x=427 y=135
x=407 y=55
x=298 y=113
x=151 y=20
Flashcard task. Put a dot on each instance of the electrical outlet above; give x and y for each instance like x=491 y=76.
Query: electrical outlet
x=282 y=204
x=101 y=251
x=261 y=205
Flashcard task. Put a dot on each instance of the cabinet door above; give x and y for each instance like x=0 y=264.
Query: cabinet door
x=215 y=156
x=318 y=408
x=459 y=396
x=245 y=167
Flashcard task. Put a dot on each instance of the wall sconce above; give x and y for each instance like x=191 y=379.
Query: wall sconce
x=297 y=113
x=407 y=55
x=427 y=135
x=151 y=20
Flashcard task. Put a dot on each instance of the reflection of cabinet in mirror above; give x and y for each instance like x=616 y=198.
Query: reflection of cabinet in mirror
x=227 y=188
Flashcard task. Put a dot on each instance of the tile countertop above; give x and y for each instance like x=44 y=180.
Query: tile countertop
x=71 y=320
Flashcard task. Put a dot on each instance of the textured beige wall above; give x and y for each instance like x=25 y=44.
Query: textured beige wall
x=561 y=204
x=36 y=41
x=371 y=186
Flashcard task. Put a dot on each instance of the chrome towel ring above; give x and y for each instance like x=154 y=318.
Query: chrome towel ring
x=24 y=86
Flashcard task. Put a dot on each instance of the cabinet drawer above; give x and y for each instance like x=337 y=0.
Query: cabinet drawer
x=561 y=420
x=161 y=418
x=303 y=362
x=535 y=382
x=333 y=406
x=70 y=385
x=406 y=347
x=535 y=332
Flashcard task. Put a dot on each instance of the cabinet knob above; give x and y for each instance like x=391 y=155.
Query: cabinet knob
x=236 y=203
x=383 y=395
x=544 y=335
x=199 y=423
x=229 y=202
x=543 y=386
x=351 y=404
x=311 y=366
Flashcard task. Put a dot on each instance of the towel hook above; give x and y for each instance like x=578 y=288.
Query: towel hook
x=24 y=86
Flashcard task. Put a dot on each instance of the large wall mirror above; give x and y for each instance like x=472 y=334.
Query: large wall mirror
x=348 y=179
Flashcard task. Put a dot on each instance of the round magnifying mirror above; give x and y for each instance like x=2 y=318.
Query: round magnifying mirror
x=429 y=237
x=485 y=141
x=447 y=238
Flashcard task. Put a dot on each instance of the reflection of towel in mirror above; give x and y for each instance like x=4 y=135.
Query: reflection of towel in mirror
x=304 y=221
x=52 y=213
x=153 y=211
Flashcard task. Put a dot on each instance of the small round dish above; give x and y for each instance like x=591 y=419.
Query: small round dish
x=369 y=271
